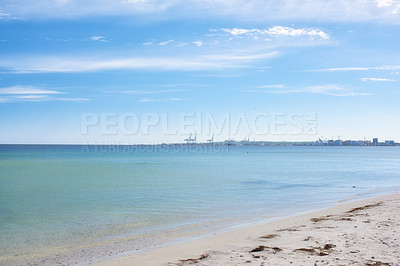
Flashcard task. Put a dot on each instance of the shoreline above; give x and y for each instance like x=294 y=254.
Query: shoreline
x=313 y=237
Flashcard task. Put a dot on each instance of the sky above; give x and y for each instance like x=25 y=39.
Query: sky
x=156 y=71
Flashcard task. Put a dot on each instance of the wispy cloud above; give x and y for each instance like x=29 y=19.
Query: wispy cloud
x=71 y=99
x=237 y=10
x=279 y=31
x=33 y=94
x=183 y=85
x=268 y=88
x=165 y=43
x=199 y=43
x=377 y=79
x=343 y=69
x=98 y=38
x=65 y=40
x=274 y=86
x=330 y=89
x=181 y=44
x=26 y=90
x=162 y=100
x=393 y=5
x=239 y=57
x=30 y=97
x=6 y=16
x=181 y=63
x=142 y=92
x=261 y=39
x=40 y=98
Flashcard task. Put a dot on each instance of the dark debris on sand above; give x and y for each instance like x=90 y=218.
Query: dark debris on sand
x=193 y=261
x=262 y=248
x=365 y=207
x=318 y=251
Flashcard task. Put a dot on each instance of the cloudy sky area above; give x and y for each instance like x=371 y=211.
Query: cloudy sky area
x=61 y=60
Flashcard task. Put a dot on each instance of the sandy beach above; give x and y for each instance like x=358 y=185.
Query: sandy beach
x=364 y=232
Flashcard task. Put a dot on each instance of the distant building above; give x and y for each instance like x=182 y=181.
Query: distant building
x=364 y=142
x=375 y=141
x=368 y=143
x=356 y=143
x=346 y=143
x=230 y=142
x=320 y=142
x=337 y=143
x=332 y=142
x=389 y=142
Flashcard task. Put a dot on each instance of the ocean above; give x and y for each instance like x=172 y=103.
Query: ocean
x=79 y=204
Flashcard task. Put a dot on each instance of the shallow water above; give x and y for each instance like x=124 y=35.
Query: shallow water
x=74 y=203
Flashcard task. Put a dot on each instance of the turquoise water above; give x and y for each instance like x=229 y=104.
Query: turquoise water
x=77 y=204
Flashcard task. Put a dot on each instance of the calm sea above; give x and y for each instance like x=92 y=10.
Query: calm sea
x=79 y=204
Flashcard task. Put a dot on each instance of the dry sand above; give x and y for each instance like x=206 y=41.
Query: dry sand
x=365 y=232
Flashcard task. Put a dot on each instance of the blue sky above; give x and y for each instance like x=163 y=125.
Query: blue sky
x=266 y=65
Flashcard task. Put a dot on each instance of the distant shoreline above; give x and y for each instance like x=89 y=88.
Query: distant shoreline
x=237 y=144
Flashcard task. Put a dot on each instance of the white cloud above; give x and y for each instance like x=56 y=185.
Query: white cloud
x=141 y=92
x=267 y=88
x=333 y=90
x=199 y=43
x=26 y=90
x=238 y=10
x=275 y=86
x=183 y=85
x=279 y=31
x=148 y=43
x=182 y=63
x=377 y=79
x=241 y=57
x=33 y=94
x=384 y=3
x=387 y=68
x=325 y=89
x=64 y=40
x=136 y=1
x=71 y=99
x=287 y=31
x=40 y=98
x=181 y=44
x=98 y=38
x=163 y=100
x=28 y=97
x=165 y=43
x=330 y=89
x=6 y=16
x=343 y=69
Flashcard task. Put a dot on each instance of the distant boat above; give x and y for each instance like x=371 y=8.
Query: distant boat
x=211 y=140
x=246 y=140
x=190 y=139
x=230 y=142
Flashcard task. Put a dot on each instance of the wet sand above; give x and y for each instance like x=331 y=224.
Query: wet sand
x=365 y=232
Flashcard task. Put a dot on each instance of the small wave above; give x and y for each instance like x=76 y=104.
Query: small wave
x=274 y=185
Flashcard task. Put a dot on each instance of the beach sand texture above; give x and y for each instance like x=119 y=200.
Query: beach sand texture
x=365 y=232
